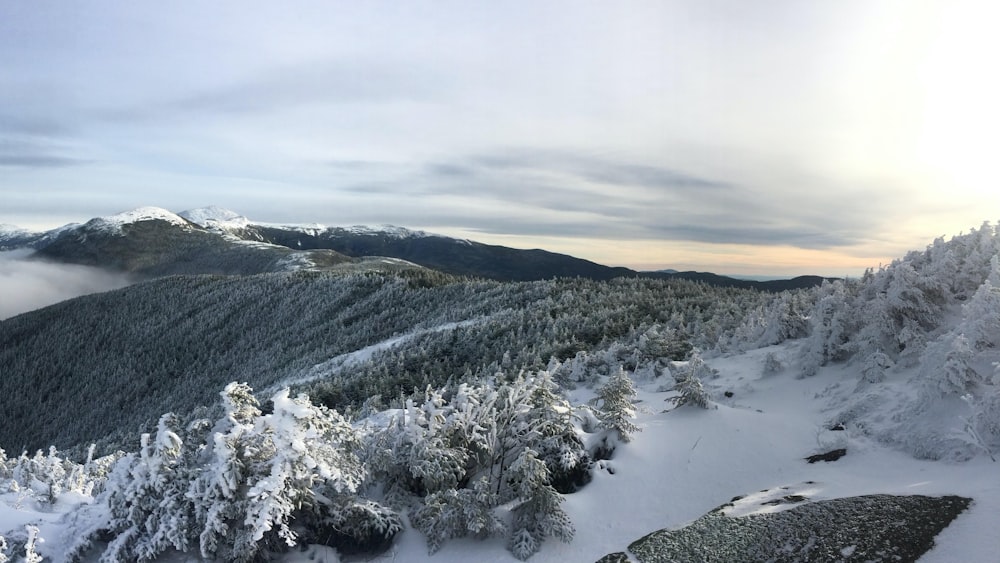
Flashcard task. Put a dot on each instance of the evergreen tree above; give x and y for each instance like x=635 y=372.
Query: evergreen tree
x=537 y=514
x=452 y=513
x=615 y=409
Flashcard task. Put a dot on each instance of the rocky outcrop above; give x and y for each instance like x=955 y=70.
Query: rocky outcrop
x=864 y=528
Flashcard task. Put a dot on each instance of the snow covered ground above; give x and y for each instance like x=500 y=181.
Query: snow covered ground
x=687 y=461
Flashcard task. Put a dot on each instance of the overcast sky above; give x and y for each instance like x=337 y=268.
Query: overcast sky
x=738 y=137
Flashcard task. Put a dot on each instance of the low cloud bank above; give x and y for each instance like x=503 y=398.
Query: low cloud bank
x=26 y=285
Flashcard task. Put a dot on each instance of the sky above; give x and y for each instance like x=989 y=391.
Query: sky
x=773 y=137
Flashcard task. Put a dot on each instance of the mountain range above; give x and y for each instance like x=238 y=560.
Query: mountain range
x=154 y=242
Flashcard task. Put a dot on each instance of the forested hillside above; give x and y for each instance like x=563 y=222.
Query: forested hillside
x=459 y=392
x=170 y=344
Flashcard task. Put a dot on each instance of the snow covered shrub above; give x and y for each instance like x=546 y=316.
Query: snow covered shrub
x=146 y=499
x=421 y=451
x=236 y=490
x=874 y=367
x=288 y=461
x=352 y=525
x=772 y=364
x=451 y=513
x=695 y=366
x=615 y=409
x=947 y=363
x=538 y=514
x=979 y=422
x=690 y=392
x=30 y=555
x=21 y=542
x=42 y=474
x=981 y=322
x=434 y=449
x=666 y=343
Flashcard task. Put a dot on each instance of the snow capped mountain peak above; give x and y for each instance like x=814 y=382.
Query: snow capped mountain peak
x=117 y=221
x=6 y=229
x=215 y=217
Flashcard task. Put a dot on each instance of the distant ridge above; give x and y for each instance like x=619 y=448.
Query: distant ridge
x=152 y=241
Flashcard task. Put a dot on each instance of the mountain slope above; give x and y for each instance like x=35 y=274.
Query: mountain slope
x=450 y=255
x=12 y=238
x=155 y=242
x=170 y=344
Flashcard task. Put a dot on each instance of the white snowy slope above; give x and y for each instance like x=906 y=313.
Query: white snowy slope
x=687 y=461
x=213 y=217
x=339 y=363
x=11 y=230
x=117 y=221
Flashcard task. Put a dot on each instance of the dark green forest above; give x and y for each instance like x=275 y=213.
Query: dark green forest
x=170 y=344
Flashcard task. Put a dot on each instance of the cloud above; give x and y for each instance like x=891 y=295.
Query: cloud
x=33 y=154
x=276 y=89
x=575 y=194
x=28 y=284
x=32 y=125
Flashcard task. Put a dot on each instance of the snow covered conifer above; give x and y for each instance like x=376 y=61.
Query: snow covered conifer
x=554 y=437
x=146 y=498
x=303 y=446
x=981 y=324
x=455 y=513
x=957 y=375
x=538 y=515
x=875 y=366
x=615 y=408
x=691 y=392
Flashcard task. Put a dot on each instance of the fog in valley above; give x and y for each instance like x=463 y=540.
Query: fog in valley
x=27 y=284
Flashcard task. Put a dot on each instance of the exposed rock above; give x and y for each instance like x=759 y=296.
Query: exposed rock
x=617 y=557
x=865 y=528
x=833 y=455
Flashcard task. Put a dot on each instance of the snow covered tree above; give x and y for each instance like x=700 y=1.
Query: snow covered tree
x=267 y=468
x=772 y=364
x=614 y=402
x=690 y=392
x=537 y=515
x=30 y=555
x=352 y=525
x=956 y=374
x=219 y=491
x=981 y=322
x=451 y=513
x=149 y=512
x=301 y=447
x=874 y=367
x=554 y=438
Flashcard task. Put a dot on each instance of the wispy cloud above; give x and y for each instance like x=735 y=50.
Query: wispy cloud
x=35 y=154
x=577 y=195
x=276 y=89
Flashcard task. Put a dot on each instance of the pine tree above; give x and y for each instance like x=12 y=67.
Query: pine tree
x=690 y=392
x=615 y=409
x=145 y=495
x=452 y=513
x=538 y=514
